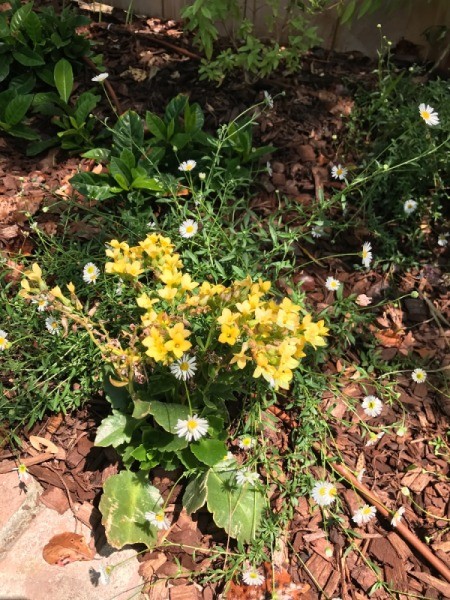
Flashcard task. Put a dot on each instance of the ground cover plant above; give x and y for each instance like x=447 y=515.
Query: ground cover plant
x=238 y=343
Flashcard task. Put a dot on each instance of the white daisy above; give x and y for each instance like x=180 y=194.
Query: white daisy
x=151 y=224
x=184 y=368
x=442 y=240
x=188 y=228
x=252 y=576
x=428 y=114
x=364 y=514
x=373 y=438
x=372 y=406
x=90 y=273
x=268 y=99
x=187 y=165
x=324 y=493
x=158 y=519
x=3 y=340
x=41 y=302
x=246 y=442
x=409 y=206
x=192 y=428
x=419 y=375
x=22 y=473
x=317 y=231
x=202 y=176
x=52 y=325
x=332 y=284
x=397 y=516
x=339 y=172
x=104 y=574
x=367 y=254
x=100 y=77
x=245 y=476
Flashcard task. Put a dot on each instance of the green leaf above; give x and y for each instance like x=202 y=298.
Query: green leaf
x=193 y=118
x=17 y=108
x=84 y=106
x=167 y=415
x=4 y=67
x=63 y=74
x=175 y=108
x=120 y=172
x=155 y=126
x=147 y=183
x=348 y=11
x=194 y=496
x=20 y=16
x=163 y=440
x=41 y=145
x=118 y=397
x=141 y=408
x=125 y=500
x=4 y=28
x=98 y=154
x=33 y=27
x=209 y=451
x=28 y=57
x=92 y=186
x=115 y=430
x=237 y=509
x=129 y=133
x=22 y=131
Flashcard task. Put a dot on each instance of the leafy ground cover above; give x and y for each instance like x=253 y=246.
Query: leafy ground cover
x=353 y=416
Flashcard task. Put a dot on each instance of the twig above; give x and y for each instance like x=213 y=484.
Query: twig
x=402 y=529
x=28 y=462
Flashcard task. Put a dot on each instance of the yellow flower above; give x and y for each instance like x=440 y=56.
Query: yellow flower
x=241 y=358
x=171 y=277
x=155 y=345
x=187 y=284
x=227 y=318
x=229 y=334
x=313 y=332
x=177 y=343
x=168 y=293
x=143 y=301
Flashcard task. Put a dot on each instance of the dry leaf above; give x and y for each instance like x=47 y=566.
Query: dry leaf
x=42 y=444
x=65 y=548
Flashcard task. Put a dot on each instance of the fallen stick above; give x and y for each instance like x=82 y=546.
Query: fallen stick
x=28 y=462
x=402 y=529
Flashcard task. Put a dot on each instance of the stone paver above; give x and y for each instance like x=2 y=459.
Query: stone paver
x=24 y=575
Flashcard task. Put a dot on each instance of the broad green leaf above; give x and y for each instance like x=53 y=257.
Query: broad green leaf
x=33 y=27
x=167 y=415
x=63 y=79
x=128 y=133
x=237 y=509
x=20 y=16
x=120 y=172
x=163 y=440
x=4 y=28
x=22 y=131
x=125 y=500
x=175 y=108
x=193 y=118
x=92 y=186
x=141 y=408
x=41 y=145
x=17 y=108
x=118 y=397
x=348 y=11
x=194 y=496
x=115 y=430
x=146 y=183
x=84 y=106
x=156 y=126
x=209 y=451
x=98 y=154
x=179 y=140
x=28 y=57
x=4 y=67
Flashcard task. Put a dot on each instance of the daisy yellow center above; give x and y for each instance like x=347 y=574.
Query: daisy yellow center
x=184 y=366
x=189 y=167
x=91 y=270
x=22 y=469
x=366 y=510
x=333 y=491
x=333 y=284
x=419 y=375
x=2 y=340
x=253 y=575
x=371 y=404
x=323 y=491
x=364 y=253
x=339 y=171
x=246 y=441
x=425 y=114
x=54 y=325
x=159 y=517
x=189 y=228
x=192 y=424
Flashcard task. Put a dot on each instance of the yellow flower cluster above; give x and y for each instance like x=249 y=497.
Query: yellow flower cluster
x=271 y=335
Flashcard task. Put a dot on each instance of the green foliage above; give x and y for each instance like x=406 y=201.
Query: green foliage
x=247 y=52
x=141 y=167
x=38 y=51
x=125 y=500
